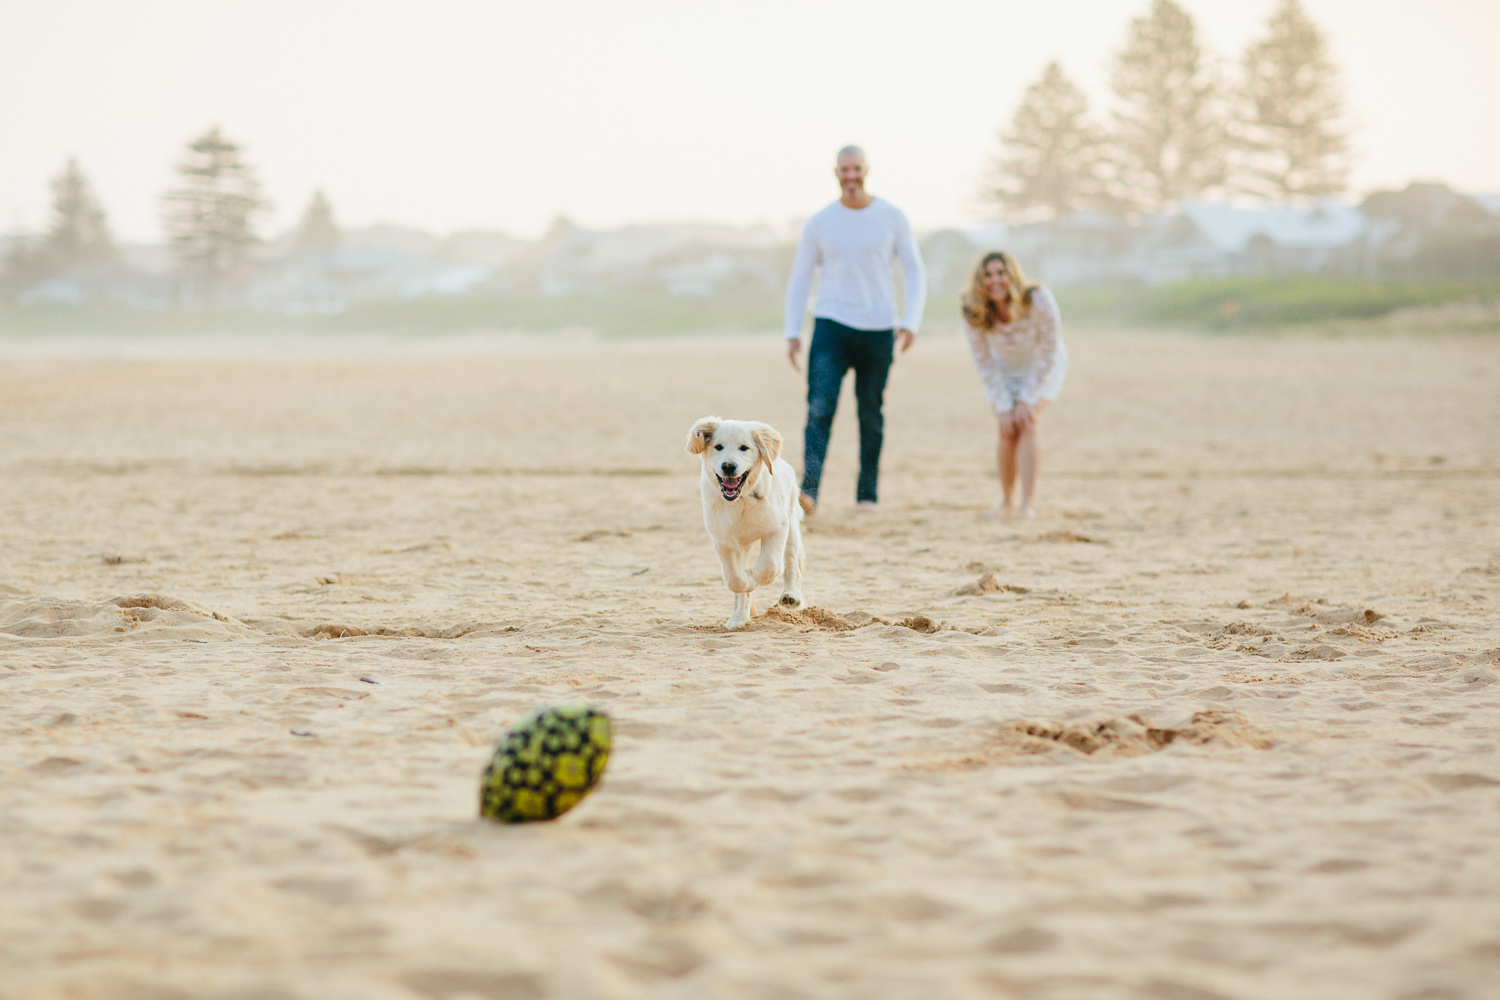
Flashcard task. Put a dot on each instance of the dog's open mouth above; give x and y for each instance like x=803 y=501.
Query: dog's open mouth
x=730 y=486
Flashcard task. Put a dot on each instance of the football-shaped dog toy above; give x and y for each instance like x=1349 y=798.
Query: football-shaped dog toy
x=546 y=763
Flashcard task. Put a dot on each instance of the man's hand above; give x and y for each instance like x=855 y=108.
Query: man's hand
x=904 y=339
x=794 y=352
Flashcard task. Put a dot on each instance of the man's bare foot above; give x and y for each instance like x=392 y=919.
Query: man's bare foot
x=867 y=505
x=1028 y=512
x=808 y=504
x=1001 y=510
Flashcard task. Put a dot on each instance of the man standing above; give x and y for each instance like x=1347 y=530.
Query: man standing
x=855 y=325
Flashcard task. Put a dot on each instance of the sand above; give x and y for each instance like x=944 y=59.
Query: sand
x=1222 y=722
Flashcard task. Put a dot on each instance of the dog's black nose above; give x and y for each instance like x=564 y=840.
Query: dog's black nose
x=729 y=468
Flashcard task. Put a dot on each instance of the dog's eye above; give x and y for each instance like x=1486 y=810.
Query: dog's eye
x=744 y=447
x=718 y=447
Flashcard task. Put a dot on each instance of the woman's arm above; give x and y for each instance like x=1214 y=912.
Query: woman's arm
x=991 y=374
x=1048 y=336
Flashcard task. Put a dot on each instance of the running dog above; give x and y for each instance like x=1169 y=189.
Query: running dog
x=749 y=500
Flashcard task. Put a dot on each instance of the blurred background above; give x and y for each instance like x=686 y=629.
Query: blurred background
x=644 y=169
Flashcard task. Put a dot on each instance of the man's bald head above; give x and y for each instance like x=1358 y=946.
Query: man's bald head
x=850 y=168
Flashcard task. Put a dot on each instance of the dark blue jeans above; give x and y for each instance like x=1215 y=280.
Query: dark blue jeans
x=836 y=348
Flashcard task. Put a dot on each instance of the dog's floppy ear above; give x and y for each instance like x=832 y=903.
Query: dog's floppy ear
x=769 y=444
x=701 y=432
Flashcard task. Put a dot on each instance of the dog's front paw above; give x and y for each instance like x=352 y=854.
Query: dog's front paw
x=736 y=622
x=791 y=599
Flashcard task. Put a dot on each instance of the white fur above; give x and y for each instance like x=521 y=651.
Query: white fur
x=764 y=518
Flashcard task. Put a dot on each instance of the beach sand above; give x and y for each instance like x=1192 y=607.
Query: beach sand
x=1222 y=722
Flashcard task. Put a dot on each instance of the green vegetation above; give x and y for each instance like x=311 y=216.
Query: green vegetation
x=615 y=314
x=1259 y=303
x=611 y=314
x=123 y=321
x=1252 y=305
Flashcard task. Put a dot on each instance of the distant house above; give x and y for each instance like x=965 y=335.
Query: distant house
x=1428 y=230
x=1199 y=240
x=54 y=292
x=1205 y=240
x=693 y=260
x=330 y=281
x=1083 y=248
x=702 y=272
x=137 y=276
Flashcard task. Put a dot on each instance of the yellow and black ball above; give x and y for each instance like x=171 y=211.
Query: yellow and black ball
x=546 y=763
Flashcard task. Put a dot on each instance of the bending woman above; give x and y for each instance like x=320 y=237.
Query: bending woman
x=1015 y=334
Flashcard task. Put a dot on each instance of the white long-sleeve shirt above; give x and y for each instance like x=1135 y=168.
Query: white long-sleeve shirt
x=855 y=248
x=1024 y=359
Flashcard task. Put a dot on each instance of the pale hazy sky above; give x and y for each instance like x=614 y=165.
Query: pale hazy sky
x=478 y=114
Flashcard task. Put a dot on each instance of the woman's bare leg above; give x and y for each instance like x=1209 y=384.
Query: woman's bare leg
x=1028 y=454
x=1008 y=469
x=1029 y=459
x=1005 y=459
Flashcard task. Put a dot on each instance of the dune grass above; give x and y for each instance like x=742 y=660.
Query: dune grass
x=611 y=314
x=618 y=314
x=1259 y=302
x=1250 y=305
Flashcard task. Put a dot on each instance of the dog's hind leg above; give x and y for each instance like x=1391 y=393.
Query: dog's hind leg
x=791 y=567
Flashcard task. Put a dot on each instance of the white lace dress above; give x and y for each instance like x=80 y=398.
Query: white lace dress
x=1024 y=359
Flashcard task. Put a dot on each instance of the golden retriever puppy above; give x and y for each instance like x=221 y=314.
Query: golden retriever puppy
x=749 y=504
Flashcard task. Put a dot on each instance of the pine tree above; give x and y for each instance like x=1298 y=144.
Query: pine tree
x=318 y=230
x=210 y=217
x=1049 y=164
x=1169 y=140
x=23 y=263
x=79 y=234
x=1295 y=143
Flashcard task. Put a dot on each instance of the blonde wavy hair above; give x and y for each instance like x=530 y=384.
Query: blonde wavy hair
x=979 y=309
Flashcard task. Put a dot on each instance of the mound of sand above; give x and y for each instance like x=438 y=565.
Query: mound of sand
x=143 y=614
